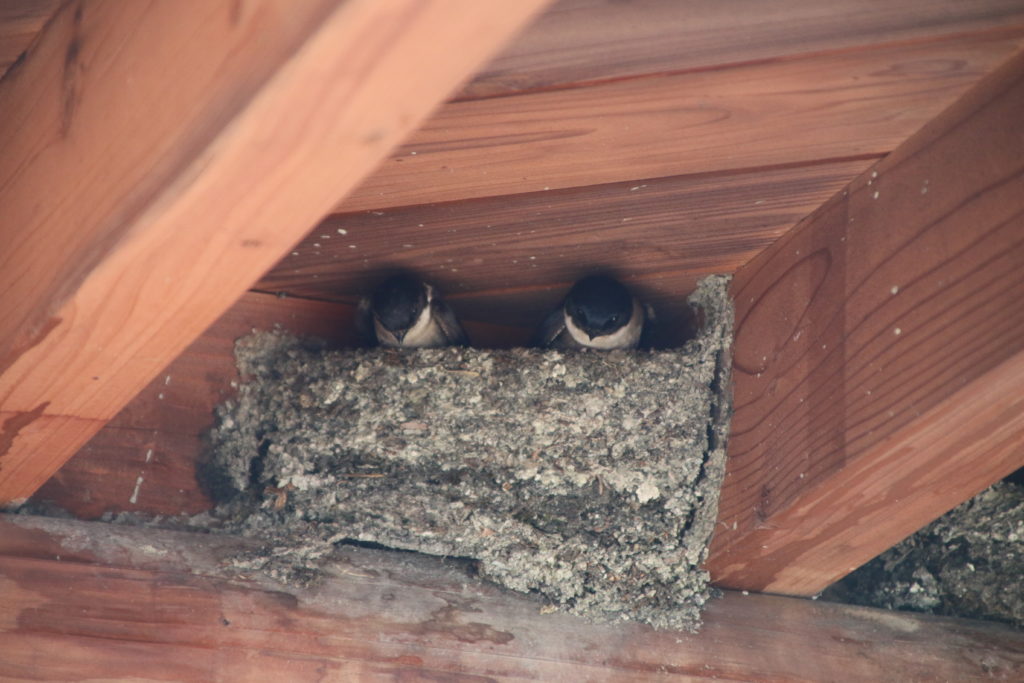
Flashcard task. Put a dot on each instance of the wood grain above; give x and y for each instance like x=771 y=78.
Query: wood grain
x=509 y=259
x=586 y=41
x=20 y=23
x=880 y=353
x=195 y=145
x=757 y=115
x=151 y=603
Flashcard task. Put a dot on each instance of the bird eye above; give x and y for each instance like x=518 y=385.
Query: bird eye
x=615 y=320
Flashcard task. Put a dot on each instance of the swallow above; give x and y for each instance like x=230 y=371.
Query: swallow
x=597 y=313
x=406 y=312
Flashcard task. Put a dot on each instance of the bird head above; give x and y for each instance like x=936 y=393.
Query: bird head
x=398 y=302
x=599 y=305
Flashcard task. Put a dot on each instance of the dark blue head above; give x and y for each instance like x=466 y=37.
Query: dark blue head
x=599 y=305
x=398 y=302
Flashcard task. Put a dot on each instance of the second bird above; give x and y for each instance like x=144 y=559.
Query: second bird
x=598 y=313
x=407 y=312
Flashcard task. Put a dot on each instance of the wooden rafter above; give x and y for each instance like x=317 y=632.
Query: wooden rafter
x=159 y=157
x=879 y=354
x=156 y=603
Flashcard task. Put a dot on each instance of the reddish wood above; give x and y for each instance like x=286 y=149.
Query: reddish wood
x=760 y=115
x=509 y=259
x=196 y=144
x=578 y=41
x=86 y=601
x=20 y=23
x=879 y=354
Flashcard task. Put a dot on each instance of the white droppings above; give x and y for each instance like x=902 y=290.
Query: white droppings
x=746 y=592
x=924 y=189
x=135 y=494
x=647 y=491
x=533 y=258
x=351 y=246
x=160 y=396
x=759 y=202
x=149 y=454
x=897 y=331
x=874 y=174
x=895 y=289
x=167 y=380
x=325 y=237
x=419 y=225
x=295 y=253
x=546 y=187
x=316 y=244
x=342 y=231
x=412 y=154
x=875 y=195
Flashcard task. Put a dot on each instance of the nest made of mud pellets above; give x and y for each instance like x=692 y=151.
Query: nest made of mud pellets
x=589 y=478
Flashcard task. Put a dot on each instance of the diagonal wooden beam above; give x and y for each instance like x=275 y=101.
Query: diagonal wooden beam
x=879 y=354
x=149 y=602
x=159 y=157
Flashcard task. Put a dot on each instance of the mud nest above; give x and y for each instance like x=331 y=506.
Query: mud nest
x=589 y=478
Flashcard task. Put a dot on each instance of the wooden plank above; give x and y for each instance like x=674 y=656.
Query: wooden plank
x=151 y=603
x=815 y=108
x=580 y=41
x=508 y=259
x=880 y=353
x=144 y=459
x=20 y=23
x=239 y=126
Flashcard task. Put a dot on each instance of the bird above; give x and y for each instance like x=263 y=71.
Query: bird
x=405 y=312
x=597 y=313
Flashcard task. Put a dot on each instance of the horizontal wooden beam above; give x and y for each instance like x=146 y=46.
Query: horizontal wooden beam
x=879 y=354
x=508 y=259
x=158 y=158
x=760 y=115
x=588 y=41
x=151 y=603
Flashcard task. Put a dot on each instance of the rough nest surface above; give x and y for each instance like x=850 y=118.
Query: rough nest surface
x=589 y=478
x=967 y=563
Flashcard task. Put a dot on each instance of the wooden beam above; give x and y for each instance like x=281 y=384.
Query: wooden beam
x=158 y=158
x=879 y=354
x=509 y=259
x=150 y=603
x=589 y=41
x=763 y=115
x=20 y=22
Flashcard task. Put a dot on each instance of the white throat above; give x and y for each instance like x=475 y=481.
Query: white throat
x=423 y=333
x=626 y=337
